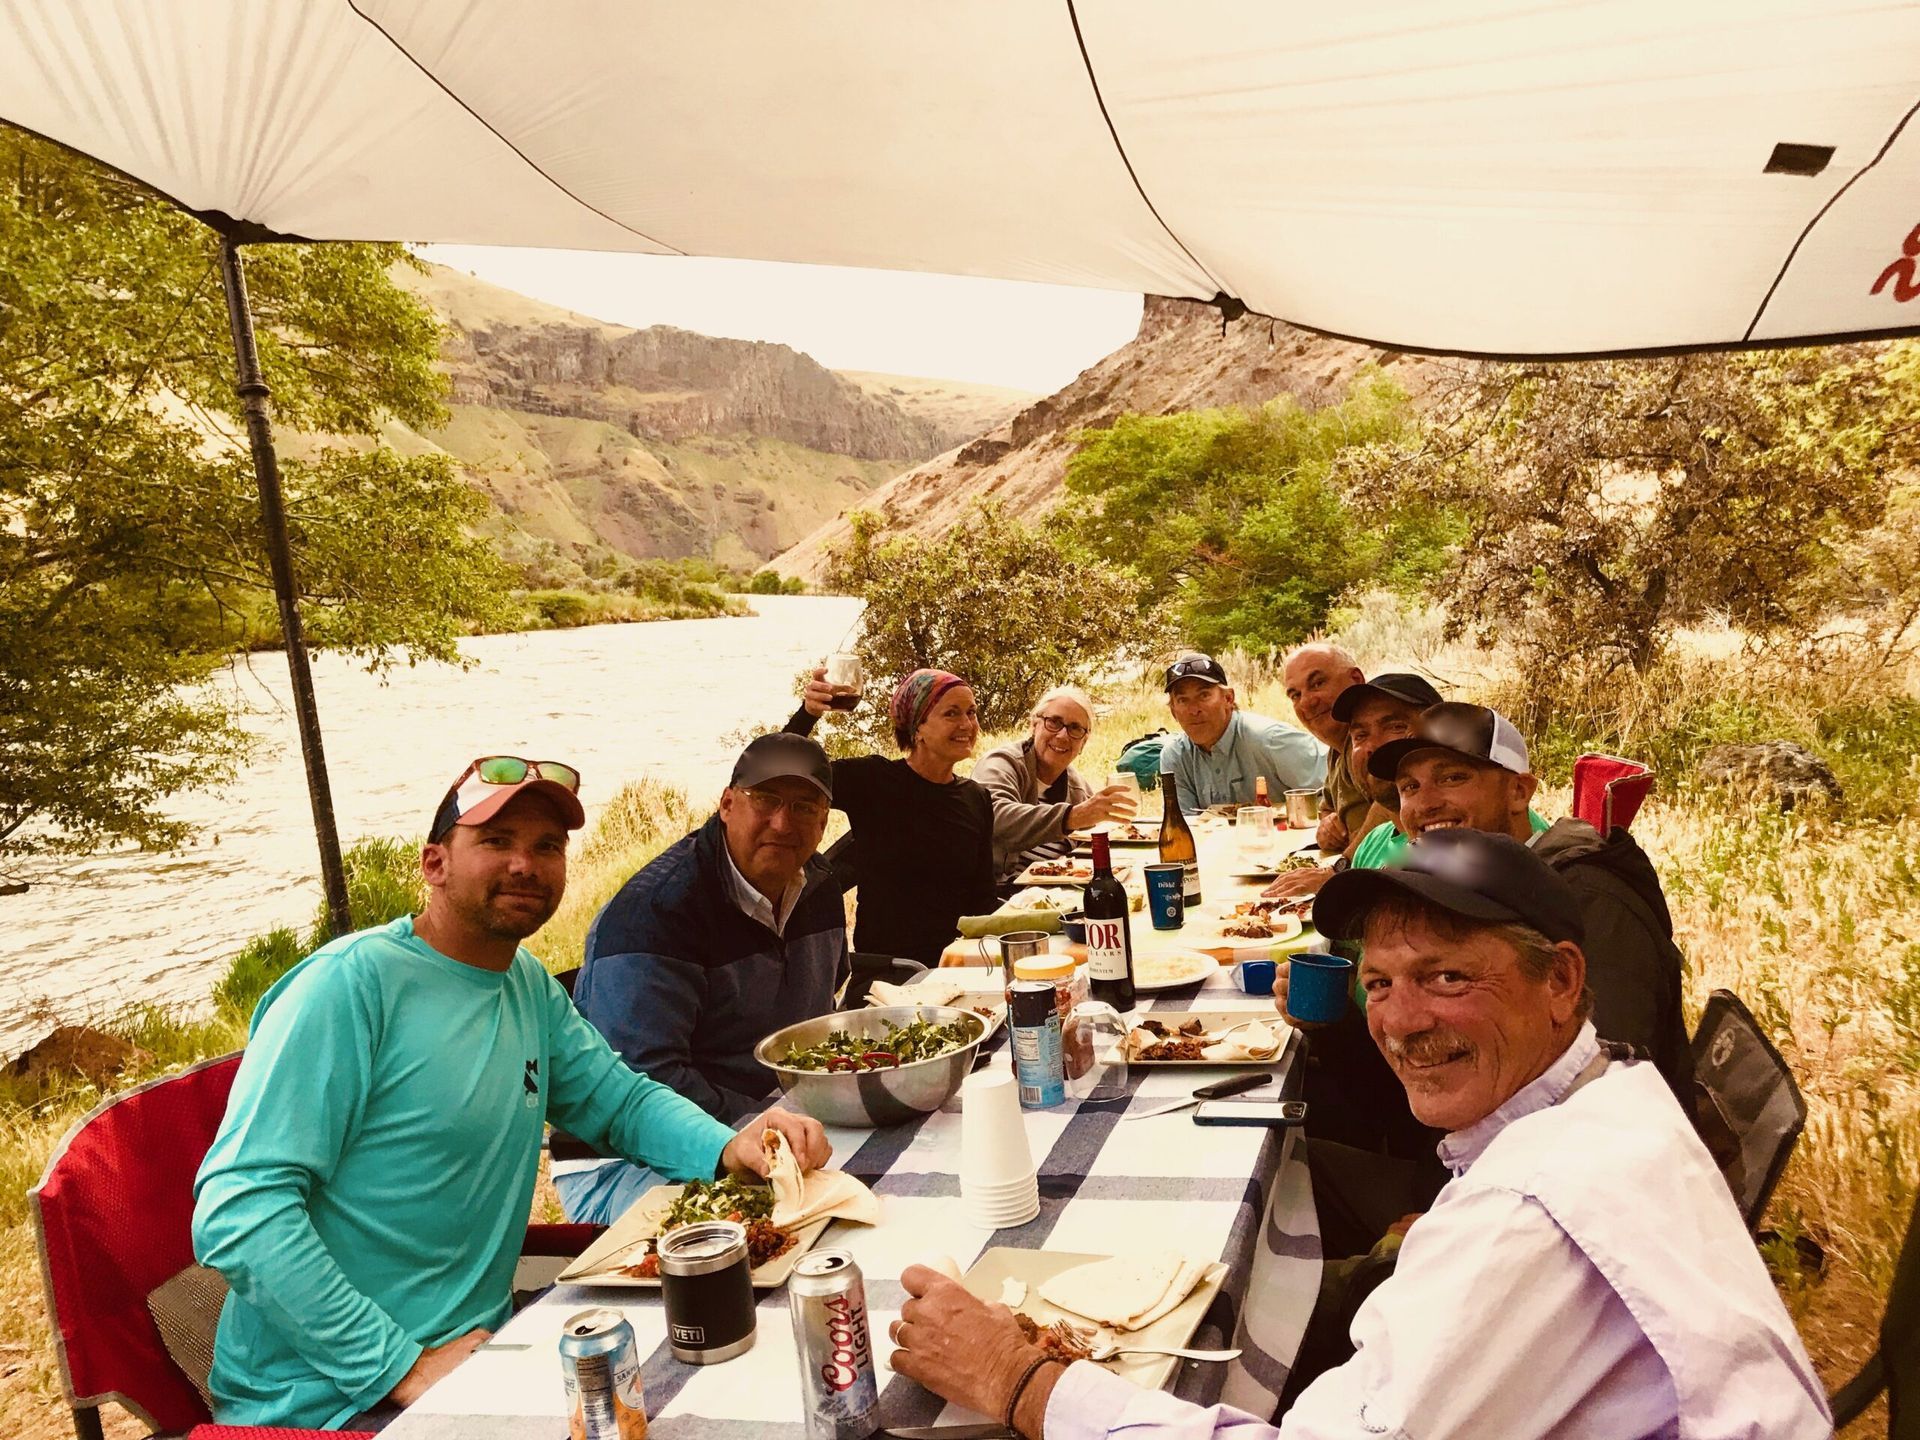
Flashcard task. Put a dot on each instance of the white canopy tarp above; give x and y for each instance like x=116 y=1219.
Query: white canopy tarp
x=1523 y=177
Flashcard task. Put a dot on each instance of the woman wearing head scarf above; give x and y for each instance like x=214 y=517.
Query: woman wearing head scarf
x=922 y=836
x=1038 y=797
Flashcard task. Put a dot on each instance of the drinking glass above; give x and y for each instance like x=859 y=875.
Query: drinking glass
x=1096 y=1038
x=1253 y=831
x=1129 y=782
x=846 y=675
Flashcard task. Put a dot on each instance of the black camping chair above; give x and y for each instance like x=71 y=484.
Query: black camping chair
x=1895 y=1366
x=1747 y=1109
x=843 y=863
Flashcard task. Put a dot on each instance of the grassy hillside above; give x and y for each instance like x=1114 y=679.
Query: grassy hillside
x=590 y=486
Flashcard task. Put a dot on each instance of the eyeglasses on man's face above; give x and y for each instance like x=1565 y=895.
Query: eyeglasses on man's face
x=1054 y=725
x=768 y=803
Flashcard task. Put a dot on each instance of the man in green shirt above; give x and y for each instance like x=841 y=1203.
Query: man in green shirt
x=1375 y=713
x=367 y=1192
x=1498 y=765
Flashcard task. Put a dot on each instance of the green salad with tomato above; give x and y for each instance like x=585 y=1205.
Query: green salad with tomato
x=900 y=1045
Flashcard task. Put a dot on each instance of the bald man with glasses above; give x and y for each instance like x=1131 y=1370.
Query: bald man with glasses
x=723 y=938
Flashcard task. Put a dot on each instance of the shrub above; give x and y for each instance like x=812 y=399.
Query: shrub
x=1007 y=605
x=383 y=883
x=1240 y=520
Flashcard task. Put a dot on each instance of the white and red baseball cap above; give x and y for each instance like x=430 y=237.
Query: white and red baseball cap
x=493 y=781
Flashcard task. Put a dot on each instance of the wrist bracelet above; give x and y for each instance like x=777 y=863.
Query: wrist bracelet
x=1020 y=1388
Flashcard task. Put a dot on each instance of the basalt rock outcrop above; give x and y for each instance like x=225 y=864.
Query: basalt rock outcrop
x=673 y=385
x=1184 y=357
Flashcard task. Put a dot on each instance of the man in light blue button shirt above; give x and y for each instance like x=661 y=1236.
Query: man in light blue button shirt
x=1223 y=749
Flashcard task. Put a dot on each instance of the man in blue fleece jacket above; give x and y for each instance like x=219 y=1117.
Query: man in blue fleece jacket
x=722 y=939
x=370 y=1183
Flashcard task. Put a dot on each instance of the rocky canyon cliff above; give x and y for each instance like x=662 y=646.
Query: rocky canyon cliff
x=661 y=443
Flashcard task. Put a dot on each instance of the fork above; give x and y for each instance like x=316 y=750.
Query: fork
x=1111 y=1349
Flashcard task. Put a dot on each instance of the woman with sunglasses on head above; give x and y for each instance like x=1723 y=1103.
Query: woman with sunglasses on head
x=1038 y=797
x=922 y=835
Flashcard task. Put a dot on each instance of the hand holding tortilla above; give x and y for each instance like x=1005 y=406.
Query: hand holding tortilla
x=817 y=1195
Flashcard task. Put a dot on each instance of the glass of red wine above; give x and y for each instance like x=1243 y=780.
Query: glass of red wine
x=846 y=675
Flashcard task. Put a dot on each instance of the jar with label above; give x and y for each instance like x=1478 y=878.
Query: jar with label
x=1069 y=981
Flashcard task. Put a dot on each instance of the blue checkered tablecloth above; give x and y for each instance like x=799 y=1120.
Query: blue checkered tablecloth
x=1233 y=1194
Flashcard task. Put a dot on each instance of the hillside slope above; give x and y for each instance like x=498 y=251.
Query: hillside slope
x=1182 y=358
x=596 y=439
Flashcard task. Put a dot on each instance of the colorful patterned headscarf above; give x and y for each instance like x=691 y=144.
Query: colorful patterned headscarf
x=915 y=698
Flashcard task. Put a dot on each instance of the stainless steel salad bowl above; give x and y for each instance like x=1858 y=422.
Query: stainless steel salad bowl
x=867 y=1099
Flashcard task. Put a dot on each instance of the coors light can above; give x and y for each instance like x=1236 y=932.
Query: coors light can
x=829 y=1302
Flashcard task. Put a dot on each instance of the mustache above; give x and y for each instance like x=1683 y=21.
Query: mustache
x=533 y=892
x=1427 y=1048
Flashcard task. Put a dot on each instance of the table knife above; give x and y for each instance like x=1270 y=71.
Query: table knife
x=945 y=1432
x=1219 y=1090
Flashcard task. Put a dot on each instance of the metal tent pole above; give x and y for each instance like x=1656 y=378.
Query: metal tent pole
x=252 y=390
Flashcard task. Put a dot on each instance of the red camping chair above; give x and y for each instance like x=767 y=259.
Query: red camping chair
x=113 y=1214
x=1608 y=791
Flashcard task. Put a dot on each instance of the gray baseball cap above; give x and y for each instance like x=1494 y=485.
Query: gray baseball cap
x=769 y=757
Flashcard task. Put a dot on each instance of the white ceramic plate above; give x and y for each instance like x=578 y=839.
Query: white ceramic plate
x=1170 y=970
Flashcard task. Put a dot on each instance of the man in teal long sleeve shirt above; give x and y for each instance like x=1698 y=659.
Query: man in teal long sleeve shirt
x=367 y=1193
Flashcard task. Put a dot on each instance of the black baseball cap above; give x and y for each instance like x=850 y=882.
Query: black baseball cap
x=1468 y=872
x=1478 y=733
x=1195 y=666
x=1408 y=689
x=771 y=756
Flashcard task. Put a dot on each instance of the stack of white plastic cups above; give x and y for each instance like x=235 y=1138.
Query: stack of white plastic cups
x=998 y=1183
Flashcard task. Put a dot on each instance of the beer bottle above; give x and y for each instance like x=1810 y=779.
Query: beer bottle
x=1176 y=839
x=1109 y=934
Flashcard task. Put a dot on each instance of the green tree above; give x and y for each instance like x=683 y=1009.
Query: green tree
x=131 y=559
x=1611 y=503
x=1240 y=518
x=1006 y=605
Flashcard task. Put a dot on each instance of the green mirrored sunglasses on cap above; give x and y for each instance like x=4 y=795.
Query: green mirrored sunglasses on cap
x=511 y=770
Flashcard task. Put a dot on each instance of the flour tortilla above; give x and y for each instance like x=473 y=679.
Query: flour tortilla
x=829 y=1194
x=1127 y=1292
x=928 y=991
x=1255 y=1042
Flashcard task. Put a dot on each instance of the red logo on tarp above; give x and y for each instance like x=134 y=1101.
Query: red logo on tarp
x=1904 y=272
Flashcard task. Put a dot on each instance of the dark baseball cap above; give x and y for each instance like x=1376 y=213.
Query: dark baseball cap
x=1407 y=689
x=1470 y=730
x=771 y=756
x=1467 y=872
x=1195 y=666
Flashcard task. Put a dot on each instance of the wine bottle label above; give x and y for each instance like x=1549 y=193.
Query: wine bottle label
x=1106 y=950
x=1193 y=882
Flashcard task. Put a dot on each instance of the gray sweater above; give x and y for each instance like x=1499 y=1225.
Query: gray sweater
x=1029 y=819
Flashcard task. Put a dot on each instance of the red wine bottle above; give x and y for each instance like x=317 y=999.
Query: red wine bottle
x=1109 y=935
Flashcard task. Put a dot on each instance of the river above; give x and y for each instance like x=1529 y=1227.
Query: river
x=620 y=702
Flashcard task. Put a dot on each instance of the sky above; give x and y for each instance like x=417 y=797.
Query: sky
x=994 y=332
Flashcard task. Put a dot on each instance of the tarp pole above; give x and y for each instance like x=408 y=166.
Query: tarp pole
x=251 y=387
